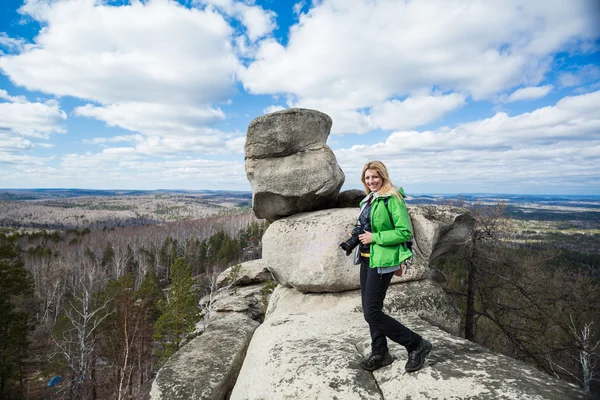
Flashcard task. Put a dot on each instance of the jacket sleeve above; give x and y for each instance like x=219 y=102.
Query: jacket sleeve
x=402 y=232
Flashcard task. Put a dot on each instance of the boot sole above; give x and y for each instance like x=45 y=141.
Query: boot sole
x=425 y=354
x=384 y=364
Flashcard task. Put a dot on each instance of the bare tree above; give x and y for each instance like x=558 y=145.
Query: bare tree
x=76 y=339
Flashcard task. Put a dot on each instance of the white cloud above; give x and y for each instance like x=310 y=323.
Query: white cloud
x=122 y=167
x=21 y=117
x=547 y=145
x=114 y=139
x=582 y=75
x=133 y=53
x=298 y=7
x=11 y=44
x=153 y=118
x=478 y=49
x=257 y=21
x=529 y=93
x=271 y=109
x=152 y=67
x=236 y=145
x=417 y=110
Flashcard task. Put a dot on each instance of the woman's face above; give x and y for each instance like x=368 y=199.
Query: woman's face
x=373 y=180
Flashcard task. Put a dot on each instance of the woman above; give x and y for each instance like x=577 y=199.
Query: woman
x=380 y=253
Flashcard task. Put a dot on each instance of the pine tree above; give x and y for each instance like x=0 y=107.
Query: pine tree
x=180 y=310
x=15 y=283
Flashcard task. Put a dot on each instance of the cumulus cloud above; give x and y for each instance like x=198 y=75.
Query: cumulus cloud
x=547 y=145
x=154 y=118
x=132 y=53
x=529 y=93
x=414 y=111
x=122 y=167
x=32 y=119
x=11 y=44
x=479 y=49
x=271 y=109
x=257 y=21
x=152 y=67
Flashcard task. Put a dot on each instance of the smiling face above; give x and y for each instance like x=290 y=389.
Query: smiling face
x=373 y=180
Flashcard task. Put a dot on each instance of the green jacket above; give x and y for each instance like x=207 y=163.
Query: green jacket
x=388 y=249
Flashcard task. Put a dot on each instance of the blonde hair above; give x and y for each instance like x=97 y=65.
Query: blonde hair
x=387 y=188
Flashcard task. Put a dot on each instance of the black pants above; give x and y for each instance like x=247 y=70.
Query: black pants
x=373 y=288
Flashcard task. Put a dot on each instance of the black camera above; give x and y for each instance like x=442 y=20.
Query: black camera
x=354 y=241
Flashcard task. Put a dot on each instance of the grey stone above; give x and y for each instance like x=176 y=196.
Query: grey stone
x=302 y=251
x=245 y=300
x=207 y=366
x=426 y=300
x=250 y=272
x=440 y=229
x=286 y=132
x=311 y=351
x=289 y=165
x=419 y=298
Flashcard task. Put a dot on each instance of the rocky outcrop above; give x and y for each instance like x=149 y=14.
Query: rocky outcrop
x=439 y=229
x=289 y=165
x=206 y=367
x=246 y=300
x=314 y=336
x=313 y=262
x=250 y=272
x=310 y=346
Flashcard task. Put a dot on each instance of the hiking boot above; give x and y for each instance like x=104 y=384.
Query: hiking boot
x=416 y=358
x=376 y=361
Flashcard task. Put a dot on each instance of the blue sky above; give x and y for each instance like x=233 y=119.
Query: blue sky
x=454 y=96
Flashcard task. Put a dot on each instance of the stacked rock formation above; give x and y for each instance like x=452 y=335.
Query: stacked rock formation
x=289 y=165
x=313 y=336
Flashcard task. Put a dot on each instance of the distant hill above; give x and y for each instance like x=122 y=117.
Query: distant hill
x=45 y=194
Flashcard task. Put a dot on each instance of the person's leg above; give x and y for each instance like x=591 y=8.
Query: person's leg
x=378 y=340
x=375 y=289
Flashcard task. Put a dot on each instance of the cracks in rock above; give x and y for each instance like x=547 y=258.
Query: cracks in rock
x=308 y=149
x=371 y=373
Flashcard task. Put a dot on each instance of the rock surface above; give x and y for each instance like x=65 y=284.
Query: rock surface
x=313 y=262
x=206 y=367
x=251 y=272
x=426 y=300
x=439 y=229
x=419 y=298
x=313 y=351
x=289 y=165
x=245 y=300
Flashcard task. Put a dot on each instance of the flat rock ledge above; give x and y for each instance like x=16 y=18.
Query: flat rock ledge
x=206 y=367
x=305 y=354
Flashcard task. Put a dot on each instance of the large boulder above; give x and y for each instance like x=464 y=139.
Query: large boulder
x=302 y=251
x=312 y=347
x=289 y=165
x=206 y=367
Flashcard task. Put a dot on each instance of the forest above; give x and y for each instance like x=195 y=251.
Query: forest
x=97 y=291
x=528 y=286
x=91 y=311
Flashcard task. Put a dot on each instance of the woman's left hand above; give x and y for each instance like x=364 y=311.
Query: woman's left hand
x=366 y=237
